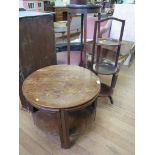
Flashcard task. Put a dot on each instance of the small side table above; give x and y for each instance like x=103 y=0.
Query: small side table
x=62 y=89
x=83 y=10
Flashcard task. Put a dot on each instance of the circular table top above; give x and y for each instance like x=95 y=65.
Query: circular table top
x=61 y=86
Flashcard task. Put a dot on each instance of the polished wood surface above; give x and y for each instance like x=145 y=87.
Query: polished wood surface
x=61 y=86
x=112 y=133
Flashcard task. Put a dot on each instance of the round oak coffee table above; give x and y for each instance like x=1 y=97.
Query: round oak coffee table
x=61 y=89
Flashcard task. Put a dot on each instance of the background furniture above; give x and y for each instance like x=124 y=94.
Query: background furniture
x=75 y=45
x=76 y=24
x=83 y=10
x=102 y=65
x=61 y=26
x=111 y=30
x=60 y=12
x=62 y=89
x=36 y=45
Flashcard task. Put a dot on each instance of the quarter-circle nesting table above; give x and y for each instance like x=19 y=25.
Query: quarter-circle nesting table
x=61 y=89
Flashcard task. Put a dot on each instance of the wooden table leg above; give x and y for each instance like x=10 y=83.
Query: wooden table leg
x=81 y=48
x=68 y=36
x=85 y=40
x=99 y=36
x=63 y=129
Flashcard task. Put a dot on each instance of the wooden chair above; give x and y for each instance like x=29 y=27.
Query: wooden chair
x=102 y=65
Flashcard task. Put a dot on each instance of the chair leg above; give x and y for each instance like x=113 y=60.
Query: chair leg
x=111 y=99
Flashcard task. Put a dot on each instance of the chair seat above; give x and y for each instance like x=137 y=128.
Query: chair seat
x=105 y=90
x=105 y=68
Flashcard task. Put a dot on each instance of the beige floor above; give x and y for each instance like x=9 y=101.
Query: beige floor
x=112 y=132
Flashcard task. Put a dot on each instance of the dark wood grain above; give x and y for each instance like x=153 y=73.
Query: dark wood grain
x=62 y=89
x=36 y=45
x=61 y=86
